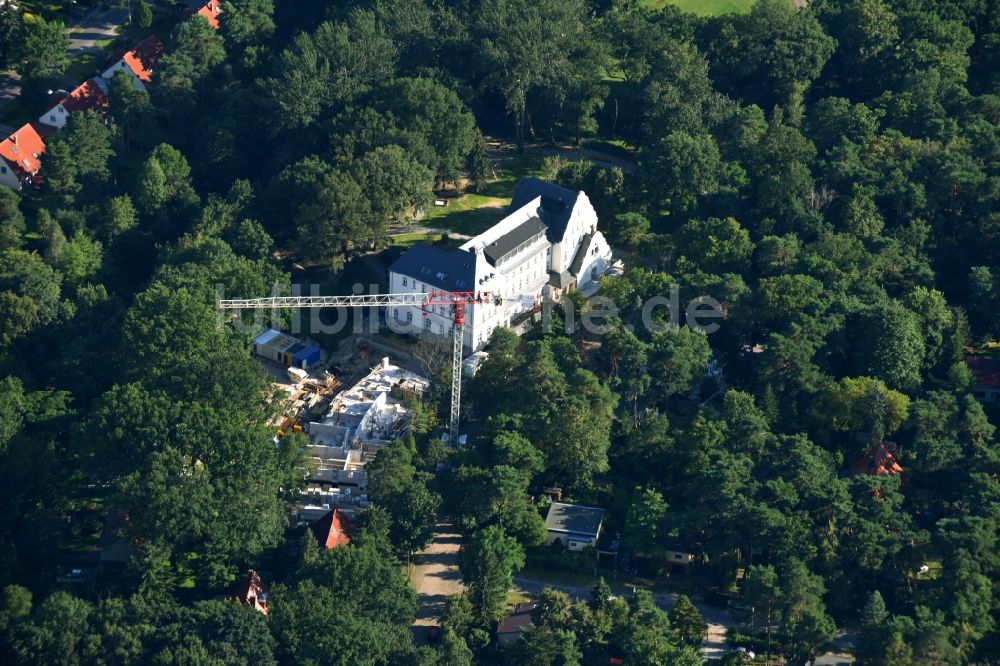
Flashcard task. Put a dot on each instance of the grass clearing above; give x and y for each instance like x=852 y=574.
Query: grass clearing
x=516 y=596
x=84 y=66
x=471 y=214
x=704 y=7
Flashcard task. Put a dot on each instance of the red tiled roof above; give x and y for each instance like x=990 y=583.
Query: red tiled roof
x=211 y=11
x=142 y=57
x=879 y=461
x=86 y=96
x=251 y=592
x=22 y=151
x=334 y=529
x=985 y=371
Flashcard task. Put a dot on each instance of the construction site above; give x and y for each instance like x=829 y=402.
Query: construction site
x=348 y=415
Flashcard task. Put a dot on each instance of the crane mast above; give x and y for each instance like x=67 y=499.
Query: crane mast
x=456 y=300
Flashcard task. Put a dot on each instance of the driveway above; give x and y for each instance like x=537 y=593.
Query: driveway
x=10 y=87
x=436 y=575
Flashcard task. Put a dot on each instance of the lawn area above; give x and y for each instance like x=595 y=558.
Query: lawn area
x=472 y=214
x=86 y=65
x=705 y=7
x=406 y=240
x=47 y=9
x=516 y=596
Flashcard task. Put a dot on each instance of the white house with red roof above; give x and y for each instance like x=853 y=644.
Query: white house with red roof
x=138 y=62
x=21 y=157
x=91 y=95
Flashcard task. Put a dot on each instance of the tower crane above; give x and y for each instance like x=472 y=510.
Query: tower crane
x=457 y=301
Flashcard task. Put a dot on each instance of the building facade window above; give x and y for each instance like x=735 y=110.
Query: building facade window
x=409 y=317
x=405 y=281
x=427 y=324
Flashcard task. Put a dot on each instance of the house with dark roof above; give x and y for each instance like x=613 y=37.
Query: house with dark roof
x=985 y=378
x=21 y=156
x=546 y=245
x=138 y=62
x=334 y=529
x=511 y=626
x=91 y=95
x=576 y=526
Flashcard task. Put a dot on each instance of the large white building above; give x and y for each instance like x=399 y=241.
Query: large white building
x=547 y=244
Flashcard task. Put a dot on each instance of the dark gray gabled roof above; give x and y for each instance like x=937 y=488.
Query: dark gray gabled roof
x=448 y=270
x=581 y=254
x=519 y=620
x=557 y=204
x=510 y=241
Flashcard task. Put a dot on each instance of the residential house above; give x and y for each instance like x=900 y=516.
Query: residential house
x=878 y=461
x=548 y=244
x=333 y=529
x=91 y=95
x=211 y=12
x=576 y=526
x=20 y=157
x=986 y=378
x=511 y=626
x=250 y=591
x=138 y=62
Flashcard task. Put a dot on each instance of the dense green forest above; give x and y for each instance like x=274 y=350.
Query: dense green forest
x=830 y=175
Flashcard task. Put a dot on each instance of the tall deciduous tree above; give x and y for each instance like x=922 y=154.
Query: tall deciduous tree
x=247 y=21
x=439 y=115
x=524 y=46
x=43 y=47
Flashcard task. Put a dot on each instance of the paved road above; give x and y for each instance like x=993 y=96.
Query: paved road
x=96 y=25
x=10 y=87
x=718 y=620
x=595 y=157
x=403 y=230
